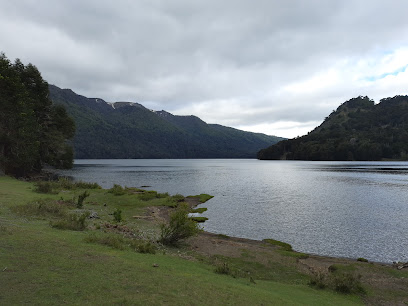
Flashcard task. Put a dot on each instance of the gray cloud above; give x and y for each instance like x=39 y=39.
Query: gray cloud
x=237 y=62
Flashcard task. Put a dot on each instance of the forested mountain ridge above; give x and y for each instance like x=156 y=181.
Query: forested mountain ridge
x=357 y=130
x=129 y=130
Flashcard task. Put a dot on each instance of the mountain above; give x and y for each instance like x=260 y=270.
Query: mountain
x=129 y=130
x=357 y=130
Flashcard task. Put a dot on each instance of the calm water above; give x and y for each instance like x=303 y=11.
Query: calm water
x=344 y=209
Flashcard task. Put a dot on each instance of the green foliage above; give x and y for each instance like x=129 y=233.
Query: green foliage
x=148 y=195
x=318 y=280
x=117 y=190
x=64 y=183
x=117 y=215
x=33 y=131
x=179 y=227
x=74 y=222
x=114 y=241
x=362 y=259
x=145 y=247
x=345 y=282
x=45 y=187
x=357 y=130
x=81 y=199
x=224 y=268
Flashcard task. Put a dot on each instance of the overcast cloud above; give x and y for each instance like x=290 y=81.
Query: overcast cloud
x=276 y=67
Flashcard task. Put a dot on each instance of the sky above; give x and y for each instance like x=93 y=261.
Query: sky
x=268 y=66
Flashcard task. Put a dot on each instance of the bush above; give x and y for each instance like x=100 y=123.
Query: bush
x=223 y=268
x=148 y=195
x=81 y=199
x=112 y=240
x=179 y=227
x=362 y=259
x=69 y=184
x=44 y=187
x=318 y=280
x=72 y=222
x=346 y=283
x=145 y=247
x=117 y=190
x=117 y=215
x=44 y=207
x=340 y=281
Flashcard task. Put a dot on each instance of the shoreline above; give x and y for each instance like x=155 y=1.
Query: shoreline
x=244 y=262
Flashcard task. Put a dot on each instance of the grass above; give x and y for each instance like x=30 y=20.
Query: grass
x=202 y=197
x=198 y=210
x=199 y=219
x=285 y=246
x=40 y=264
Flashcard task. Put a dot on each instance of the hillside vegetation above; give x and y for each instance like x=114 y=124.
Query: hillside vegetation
x=129 y=130
x=357 y=130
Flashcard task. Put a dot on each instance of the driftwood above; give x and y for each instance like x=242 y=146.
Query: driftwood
x=400 y=265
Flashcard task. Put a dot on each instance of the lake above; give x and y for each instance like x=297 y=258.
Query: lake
x=342 y=209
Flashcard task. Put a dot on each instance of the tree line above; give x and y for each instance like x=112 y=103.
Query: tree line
x=33 y=131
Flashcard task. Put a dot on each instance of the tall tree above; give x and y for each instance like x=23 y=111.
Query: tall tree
x=33 y=131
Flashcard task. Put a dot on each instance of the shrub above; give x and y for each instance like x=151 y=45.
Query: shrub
x=117 y=215
x=44 y=187
x=68 y=184
x=117 y=190
x=148 y=195
x=81 y=199
x=319 y=280
x=342 y=282
x=73 y=222
x=162 y=195
x=362 y=259
x=179 y=227
x=346 y=282
x=43 y=207
x=85 y=185
x=223 y=268
x=145 y=247
x=177 y=197
x=112 y=240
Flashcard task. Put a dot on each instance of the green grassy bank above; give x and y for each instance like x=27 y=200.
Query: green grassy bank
x=41 y=264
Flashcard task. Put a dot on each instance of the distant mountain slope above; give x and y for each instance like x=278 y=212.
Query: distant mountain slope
x=129 y=130
x=357 y=130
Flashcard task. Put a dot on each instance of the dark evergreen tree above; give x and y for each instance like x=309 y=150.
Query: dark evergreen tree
x=33 y=131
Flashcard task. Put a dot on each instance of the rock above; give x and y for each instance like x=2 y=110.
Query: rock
x=155 y=265
x=93 y=215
